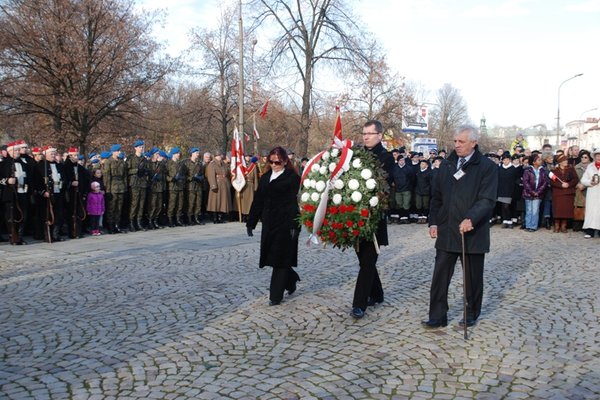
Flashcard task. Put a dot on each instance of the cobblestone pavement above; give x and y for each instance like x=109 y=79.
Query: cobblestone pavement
x=182 y=313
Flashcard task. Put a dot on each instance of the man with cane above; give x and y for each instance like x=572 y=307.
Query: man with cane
x=463 y=198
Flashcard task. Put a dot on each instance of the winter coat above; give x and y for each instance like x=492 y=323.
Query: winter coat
x=404 y=178
x=531 y=191
x=386 y=160
x=423 y=182
x=276 y=205
x=580 y=194
x=563 y=199
x=592 y=198
x=219 y=196
x=507 y=179
x=473 y=197
x=95 y=203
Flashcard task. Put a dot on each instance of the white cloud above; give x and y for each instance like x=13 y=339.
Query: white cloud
x=510 y=8
x=592 y=6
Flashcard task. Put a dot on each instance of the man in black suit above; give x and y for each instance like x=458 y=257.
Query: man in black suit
x=464 y=194
x=368 y=290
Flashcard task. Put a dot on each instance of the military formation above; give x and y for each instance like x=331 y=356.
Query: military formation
x=50 y=196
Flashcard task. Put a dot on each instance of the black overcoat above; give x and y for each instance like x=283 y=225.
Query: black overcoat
x=386 y=159
x=276 y=205
x=473 y=196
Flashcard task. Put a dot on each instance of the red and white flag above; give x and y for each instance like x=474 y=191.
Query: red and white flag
x=553 y=176
x=263 y=111
x=254 y=130
x=337 y=129
x=238 y=162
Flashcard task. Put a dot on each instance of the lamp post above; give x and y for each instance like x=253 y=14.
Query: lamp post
x=558 y=109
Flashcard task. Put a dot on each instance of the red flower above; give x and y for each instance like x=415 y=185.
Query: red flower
x=325 y=222
x=355 y=232
x=331 y=234
x=345 y=234
x=364 y=213
x=349 y=224
x=333 y=210
x=309 y=208
x=350 y=208
x=308 y=223
x=319 y=232
x=361 y=223
x=342 y=209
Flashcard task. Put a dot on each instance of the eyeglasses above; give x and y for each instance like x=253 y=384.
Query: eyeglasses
x=275 y=162
x=370 y=133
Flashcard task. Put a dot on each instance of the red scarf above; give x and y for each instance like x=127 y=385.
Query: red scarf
x=597 y=164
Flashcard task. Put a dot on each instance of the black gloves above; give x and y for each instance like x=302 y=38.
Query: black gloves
x=249 y=231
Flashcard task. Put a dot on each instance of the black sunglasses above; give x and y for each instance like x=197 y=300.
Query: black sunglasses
x=275 y=162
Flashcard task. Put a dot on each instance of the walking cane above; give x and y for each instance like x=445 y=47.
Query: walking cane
x=464 y=268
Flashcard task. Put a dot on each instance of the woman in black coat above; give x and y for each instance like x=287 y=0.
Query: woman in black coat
x=276 y=205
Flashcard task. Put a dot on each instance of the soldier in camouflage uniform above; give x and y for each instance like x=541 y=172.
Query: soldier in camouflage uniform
x=176 y=185
x=195 y=180
x=115 y=179
x=138 y=171
x=158 y=185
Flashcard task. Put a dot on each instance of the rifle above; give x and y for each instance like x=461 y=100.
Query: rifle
x=49 y=209
x=14 y=234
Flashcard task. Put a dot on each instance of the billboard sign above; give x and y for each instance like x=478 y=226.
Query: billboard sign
x=417 y=121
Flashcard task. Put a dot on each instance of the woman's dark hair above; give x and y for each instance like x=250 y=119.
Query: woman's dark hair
x=281 y=153
x=533 y=157
x=586 y=153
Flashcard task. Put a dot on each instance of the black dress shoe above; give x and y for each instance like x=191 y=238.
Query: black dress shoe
x=470 y=322
x=274 y=303
x=292 y=289
x=357 y=312
x=435 y=323
x=371 y=302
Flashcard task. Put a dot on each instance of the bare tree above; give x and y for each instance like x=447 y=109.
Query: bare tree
x=79 y=62
x=220 y=69
x=310 y=34
x=377 y=92
x=448 y=114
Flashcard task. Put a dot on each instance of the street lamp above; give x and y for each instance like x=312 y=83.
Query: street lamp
x=558 y=109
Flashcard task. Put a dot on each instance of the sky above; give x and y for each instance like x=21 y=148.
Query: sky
x=506 y=57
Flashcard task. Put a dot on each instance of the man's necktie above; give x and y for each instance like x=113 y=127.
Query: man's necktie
x=461 y=162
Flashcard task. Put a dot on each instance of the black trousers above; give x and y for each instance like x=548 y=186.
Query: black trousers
x=282 y=279
x=368 y=283
x=442 y=275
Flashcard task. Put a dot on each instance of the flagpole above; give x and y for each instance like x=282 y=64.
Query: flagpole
x=239 y=203
x=241 y=72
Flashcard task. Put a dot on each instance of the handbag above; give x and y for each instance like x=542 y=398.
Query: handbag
x=579 y=213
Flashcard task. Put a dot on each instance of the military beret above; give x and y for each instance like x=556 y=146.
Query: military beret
x=138 y=143
x=115 y=147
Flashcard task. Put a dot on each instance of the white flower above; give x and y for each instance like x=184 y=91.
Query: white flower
x=306 y=183
x=315 y=167
x=337 y=199
x=305 y=196
x=356 y=197
x=325 y=156
x=353 y=184
x=371 y=184
x=323 y=170
x=366 y=173
x=356 y=163
x=314 y=196
x=339 y=184
x=373 y=201
x=312 y=183
x=320 y=186
x=334 y=152
x=332 y=166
